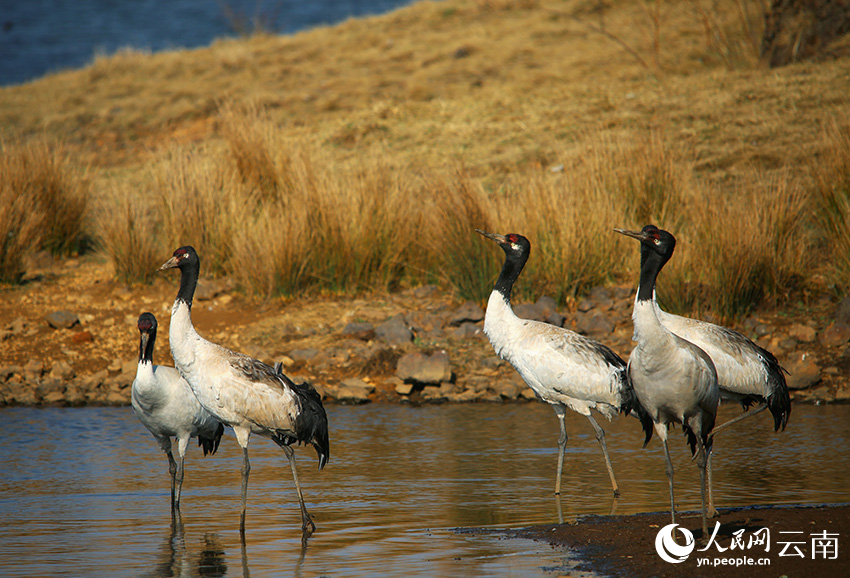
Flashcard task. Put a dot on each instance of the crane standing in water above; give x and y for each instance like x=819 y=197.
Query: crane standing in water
x=165 y=404
x=563 y=368
x=675 y=381
x=244 y=393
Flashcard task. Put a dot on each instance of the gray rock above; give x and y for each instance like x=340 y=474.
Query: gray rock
x=468 y=312
x=17 y=326
x=304 y=355
x=354 y=389
x=805 y=372
x=468 y=330
x=34 y=368
x=394 y=331
x=548 y=308
x=422 y=322
x=428 y=369
x=529 y=311
x=402 y=388
x=802 y=333
x=547 y=305
x=361 y=331
x=835 y=335
x=594 y=324
x=438 y=392
x=602 y=298
x=49 y=385
x=62 y=371
x=507 y=389
x=63 y=319
x=209 y=289
x=94 y=380
x=8 y=371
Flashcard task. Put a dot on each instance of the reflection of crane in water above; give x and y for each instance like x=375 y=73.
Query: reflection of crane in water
x=244 y=393
x=675 y=380
x=565 y=369
x=165 y=404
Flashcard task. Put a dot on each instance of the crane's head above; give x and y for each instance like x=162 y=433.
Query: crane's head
x=510 y=243
x=653 y=239
x=147 y=323
x=182 y=256
x=147 y=330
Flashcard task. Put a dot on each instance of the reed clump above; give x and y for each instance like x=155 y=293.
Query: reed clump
x=43 y=205
x=830 y=196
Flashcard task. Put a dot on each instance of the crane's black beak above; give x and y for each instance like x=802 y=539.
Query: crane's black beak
x=145 y=337
x=170 y=264
x=492 y=236
x=639 y=235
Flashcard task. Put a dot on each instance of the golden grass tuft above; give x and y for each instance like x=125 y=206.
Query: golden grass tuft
x=130 y=235
x=43 y=204
x=830 y=194
x=200 y=204
x=20 y=226
x=454 y=205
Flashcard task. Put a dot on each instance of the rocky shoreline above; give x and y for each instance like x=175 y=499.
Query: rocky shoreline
x=416 y=346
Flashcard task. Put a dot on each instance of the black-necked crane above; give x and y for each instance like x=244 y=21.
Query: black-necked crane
x=675 y=381
x=165 y=404
x=244 y=393
x=563 y=368
x=746 y=373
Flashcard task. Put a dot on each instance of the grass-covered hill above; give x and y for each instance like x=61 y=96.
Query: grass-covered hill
x=362 y=156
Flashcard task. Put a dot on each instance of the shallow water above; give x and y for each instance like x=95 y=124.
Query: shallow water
x=84 y=491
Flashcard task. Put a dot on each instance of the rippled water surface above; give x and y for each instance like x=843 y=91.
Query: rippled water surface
x=85 y=491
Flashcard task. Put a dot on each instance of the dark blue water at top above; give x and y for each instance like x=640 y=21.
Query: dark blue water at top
x=42 y=36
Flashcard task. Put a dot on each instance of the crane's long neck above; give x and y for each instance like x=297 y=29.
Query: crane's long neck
x=648 y=327
x=510 y=273
x=500 y=318
x=189 y=274
x=181 y=332
x=650 y=266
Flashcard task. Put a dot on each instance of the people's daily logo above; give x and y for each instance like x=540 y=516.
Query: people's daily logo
x=668 y=549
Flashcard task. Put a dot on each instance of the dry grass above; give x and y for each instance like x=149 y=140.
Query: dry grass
x=129 y=234
x=20 y=227
x=43 y=205
x=361 y=157
x=830 y=194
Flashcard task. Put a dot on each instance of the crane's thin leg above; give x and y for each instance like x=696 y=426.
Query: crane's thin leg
x=246 y=469
x=600 y=437
x=172 y=469
x=711 y=511
x=306 y=520
x=744 y=415
x=669 y=471
x=246 y=573
x=562 y=444
x=702 y=461
x=179 y=480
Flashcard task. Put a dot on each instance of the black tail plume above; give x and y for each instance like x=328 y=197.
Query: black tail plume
x=631 y=405
x=210 y=445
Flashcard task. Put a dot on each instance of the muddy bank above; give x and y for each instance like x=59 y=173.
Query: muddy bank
x=794 y=544
x=68 y=337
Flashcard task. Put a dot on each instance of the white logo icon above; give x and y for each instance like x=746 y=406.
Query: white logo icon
x=667 y=547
